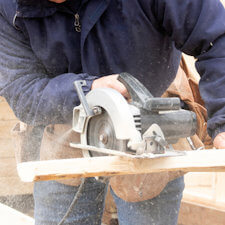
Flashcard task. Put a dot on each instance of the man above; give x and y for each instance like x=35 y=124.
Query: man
x=45 y=46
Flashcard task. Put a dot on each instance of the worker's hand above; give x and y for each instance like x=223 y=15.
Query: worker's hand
x=111 y=82
x=219 y=141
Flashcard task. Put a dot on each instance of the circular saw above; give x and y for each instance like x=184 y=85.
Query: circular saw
x=143 y=127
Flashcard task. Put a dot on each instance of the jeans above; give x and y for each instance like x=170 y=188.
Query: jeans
x=52 y=200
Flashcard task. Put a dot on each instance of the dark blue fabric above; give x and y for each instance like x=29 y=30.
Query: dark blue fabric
x=142 y=37
x=52 y=200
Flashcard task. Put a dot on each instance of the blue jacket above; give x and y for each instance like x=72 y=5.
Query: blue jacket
x=41 y=54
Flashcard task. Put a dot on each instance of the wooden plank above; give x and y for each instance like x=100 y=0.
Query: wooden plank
x=9 y=216
x=200 y=194
x=220 y=188
x=7 y=148
x=193 y=161
x=203 y=196
x=8 y=167
x=6 y=127
x=6 y=112
x=14 y=186
x=192 y=213
x=199 y=179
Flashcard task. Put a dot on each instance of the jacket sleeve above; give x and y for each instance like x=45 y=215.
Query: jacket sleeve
x=197 y=28
x=35 y=98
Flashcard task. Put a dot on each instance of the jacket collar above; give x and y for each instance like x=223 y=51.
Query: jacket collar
x=39 y=8
x=35 y=8
x=43 y=8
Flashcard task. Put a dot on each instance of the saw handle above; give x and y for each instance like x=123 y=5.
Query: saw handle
x=141 y=97
x=138 y=92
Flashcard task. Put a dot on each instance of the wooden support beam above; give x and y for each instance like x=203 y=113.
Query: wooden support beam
x=6 y=127
x=14 y=186
x=9 y=216
x=194 y=213
x=192 y=161
x=6 y=112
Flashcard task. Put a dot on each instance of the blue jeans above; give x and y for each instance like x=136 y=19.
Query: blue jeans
x=52 y=200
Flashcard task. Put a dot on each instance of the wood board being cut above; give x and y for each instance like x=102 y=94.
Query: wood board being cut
x=192 y=161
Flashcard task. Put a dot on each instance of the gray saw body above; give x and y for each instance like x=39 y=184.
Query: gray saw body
x=143 y=127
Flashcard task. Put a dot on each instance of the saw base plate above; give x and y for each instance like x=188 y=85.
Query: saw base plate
x=105 y=151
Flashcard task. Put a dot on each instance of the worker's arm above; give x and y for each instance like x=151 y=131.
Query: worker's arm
x=219 y=141
x=197 y=28
x=35 y=98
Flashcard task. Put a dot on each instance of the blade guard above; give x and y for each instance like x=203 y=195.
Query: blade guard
x=117 y=108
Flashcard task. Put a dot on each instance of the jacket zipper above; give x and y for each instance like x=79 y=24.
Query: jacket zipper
x=77 y=24
x=14 y=20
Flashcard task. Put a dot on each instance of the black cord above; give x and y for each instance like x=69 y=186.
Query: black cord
x=76 y=197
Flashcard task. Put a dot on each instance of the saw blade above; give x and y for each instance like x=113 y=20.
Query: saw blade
x=101 y=134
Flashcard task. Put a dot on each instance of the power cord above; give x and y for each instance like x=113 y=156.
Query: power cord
x=76 y=197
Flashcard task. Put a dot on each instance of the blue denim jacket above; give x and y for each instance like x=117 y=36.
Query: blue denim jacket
x=38 y=64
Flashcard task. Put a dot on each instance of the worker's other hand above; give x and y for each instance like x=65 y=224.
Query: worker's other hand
x=219 y=141
x=111 y=82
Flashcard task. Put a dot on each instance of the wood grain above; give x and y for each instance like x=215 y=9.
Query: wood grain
x=193 y=161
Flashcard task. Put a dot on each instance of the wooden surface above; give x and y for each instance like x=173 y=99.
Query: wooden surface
x=6 y=112
x=223 y=1
x=10 y=184
x=6 y=127
x=194 y=213
x=195 y=161
x=203 y=197
x=220 y=188
x=9 y=216
x=6 y=149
